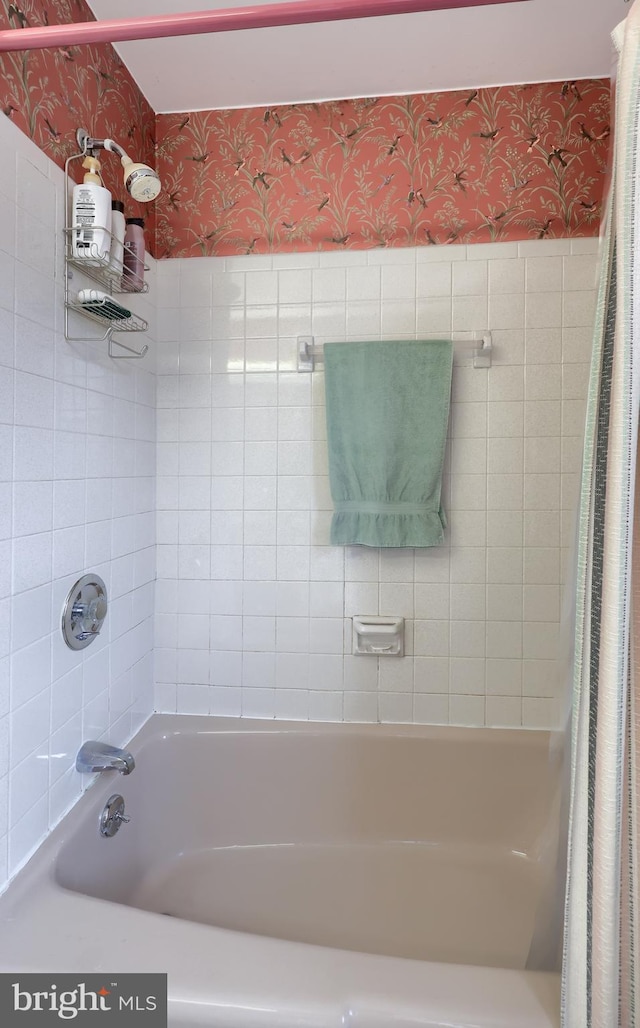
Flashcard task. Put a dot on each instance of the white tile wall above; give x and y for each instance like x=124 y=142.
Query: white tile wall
x=77 y=465
x=253 y=606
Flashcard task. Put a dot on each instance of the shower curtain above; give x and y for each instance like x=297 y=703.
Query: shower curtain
x=601 y=910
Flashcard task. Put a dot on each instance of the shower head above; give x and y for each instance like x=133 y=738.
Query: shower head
x=141 y=181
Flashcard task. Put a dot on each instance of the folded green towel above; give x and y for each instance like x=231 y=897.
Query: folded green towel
x=387 y=415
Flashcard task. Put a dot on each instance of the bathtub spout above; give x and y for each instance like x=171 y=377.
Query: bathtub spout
x=99 y=756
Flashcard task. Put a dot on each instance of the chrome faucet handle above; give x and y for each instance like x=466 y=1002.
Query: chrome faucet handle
x=100 y=756
x=84 y=611
x=89 y=616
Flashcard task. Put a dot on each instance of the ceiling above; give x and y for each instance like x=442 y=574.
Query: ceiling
x=537 y=41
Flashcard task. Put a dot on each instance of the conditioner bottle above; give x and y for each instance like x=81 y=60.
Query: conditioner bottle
x=117 y=237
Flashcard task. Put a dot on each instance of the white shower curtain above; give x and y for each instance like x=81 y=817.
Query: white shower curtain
x=601 y=937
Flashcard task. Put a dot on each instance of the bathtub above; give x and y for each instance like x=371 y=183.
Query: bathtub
x=295 y=874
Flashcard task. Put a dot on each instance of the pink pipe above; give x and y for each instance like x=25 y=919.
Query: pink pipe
x=297 y=12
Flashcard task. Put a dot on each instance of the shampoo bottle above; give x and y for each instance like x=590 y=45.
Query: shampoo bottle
x=91 y=215
x=133 y=273
x=117 y=237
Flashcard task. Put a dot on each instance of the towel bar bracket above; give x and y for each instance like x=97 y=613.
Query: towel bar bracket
x=478 y=350
x=306 y=355
x=482 y=353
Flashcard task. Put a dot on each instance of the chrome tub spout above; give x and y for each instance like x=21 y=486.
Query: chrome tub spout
x=100 y=756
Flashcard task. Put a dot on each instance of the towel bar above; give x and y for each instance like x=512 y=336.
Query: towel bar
x=477 y=350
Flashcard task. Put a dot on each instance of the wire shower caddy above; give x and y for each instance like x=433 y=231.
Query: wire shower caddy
x=97 y=268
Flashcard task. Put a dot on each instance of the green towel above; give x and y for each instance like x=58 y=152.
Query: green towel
x=387 y=415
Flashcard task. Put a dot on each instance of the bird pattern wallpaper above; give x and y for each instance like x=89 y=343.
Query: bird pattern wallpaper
x=50 y=93
x=473 y=166
x=477 y=165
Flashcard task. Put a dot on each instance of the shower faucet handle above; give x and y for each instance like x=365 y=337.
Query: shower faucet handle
x=84 y=611
x=90 y=615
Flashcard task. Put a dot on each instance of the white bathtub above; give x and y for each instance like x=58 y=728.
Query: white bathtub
x=294 y=874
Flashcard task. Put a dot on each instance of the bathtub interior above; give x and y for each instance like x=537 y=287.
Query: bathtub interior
x=413 y=842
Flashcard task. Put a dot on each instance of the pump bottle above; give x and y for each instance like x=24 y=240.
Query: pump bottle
x=91 y=215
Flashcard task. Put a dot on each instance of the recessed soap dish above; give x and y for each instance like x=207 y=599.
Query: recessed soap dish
x=378 y=636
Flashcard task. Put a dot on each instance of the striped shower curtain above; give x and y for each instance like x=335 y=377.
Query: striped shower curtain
x=601 y=914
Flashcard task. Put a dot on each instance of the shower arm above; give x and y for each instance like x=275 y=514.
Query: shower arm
x=296 y=12
x=89 y=145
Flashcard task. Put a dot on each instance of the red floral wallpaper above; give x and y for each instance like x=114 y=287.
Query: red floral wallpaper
x=51 y=93
x=515 y=162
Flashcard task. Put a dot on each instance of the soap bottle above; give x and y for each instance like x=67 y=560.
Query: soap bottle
x=117 y=237
x=91 y=206
x=133 y=272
